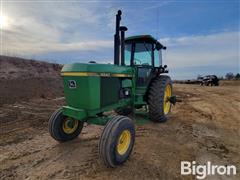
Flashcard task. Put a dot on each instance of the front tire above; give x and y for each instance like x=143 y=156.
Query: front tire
x=63 y=128
x=117 y=141
x=160 y=91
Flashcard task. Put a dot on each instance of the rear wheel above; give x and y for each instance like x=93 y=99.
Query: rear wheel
x=158 y=98
x=117 y=140
x=64 y=128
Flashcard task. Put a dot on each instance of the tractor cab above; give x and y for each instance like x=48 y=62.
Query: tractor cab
x=144 y=53
x=143 y=50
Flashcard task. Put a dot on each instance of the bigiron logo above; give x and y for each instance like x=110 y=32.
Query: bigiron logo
x=202 y=171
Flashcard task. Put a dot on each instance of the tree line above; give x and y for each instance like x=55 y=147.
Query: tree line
x=230 y=76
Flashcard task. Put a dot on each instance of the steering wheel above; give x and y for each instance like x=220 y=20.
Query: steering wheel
x=135 y=59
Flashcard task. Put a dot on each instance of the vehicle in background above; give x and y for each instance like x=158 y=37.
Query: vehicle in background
x=209 y=80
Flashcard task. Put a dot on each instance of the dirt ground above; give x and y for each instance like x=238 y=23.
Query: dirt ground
x=205 y=126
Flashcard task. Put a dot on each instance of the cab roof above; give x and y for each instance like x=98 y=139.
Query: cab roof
x=141 y=37
x=145 y=38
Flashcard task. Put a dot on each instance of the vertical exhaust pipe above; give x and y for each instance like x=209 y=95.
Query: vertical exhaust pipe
x=117 y=38
x=123 y=29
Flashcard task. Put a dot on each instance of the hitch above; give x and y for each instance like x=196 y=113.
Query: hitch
x=173 y=99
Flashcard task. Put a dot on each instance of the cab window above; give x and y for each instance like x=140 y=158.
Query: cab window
x=127 y=54
x=143 y=54
x=157 y=58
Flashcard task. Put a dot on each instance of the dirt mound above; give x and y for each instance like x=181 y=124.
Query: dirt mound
x=18 y=68
x=23 y=79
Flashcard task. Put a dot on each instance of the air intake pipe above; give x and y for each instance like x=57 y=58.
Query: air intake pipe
x=123 y=29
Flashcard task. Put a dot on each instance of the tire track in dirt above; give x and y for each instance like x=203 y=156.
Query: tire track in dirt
x=217 y=127
x=40 y=156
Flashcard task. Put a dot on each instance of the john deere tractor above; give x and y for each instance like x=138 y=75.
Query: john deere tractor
x=134 y=82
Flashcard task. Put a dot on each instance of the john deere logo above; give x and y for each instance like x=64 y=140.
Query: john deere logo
x=72 y=84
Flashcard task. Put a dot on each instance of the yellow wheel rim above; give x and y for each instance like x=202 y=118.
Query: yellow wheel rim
x=69 y=126
x=124 y=142
x=167 y=95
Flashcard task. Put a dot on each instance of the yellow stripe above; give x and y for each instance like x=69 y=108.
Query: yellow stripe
x=121 y=75
x=78 y=74
x=94 y=74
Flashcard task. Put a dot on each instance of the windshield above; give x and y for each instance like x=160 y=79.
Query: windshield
x=143 y=54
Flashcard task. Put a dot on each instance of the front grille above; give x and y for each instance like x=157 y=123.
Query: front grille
x=110 y=87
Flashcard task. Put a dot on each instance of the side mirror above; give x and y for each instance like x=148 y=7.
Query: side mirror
x=160 y=46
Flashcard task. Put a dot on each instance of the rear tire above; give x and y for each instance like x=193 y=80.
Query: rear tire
x=117 y=141
x=159 y=90
x=59 y=128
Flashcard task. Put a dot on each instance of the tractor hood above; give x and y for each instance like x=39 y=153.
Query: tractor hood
x=106 y=70
x=89 y=87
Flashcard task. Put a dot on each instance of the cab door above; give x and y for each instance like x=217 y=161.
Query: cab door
x=143 y=61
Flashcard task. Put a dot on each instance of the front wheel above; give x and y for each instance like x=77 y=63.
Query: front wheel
x=63 y=128
x=117 y=140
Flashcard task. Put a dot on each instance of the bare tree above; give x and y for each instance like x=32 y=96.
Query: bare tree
x=229 y=76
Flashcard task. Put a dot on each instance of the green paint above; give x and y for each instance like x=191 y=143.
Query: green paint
x=99 y=120
x=97 y=68
x=120 y=103
x=84 y=115
x=86 y=95
x=75 y=113
x=126 y=83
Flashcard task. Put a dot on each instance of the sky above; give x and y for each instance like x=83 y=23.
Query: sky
x=202 y=37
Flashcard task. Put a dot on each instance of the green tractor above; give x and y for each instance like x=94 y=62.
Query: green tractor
x=135 y=82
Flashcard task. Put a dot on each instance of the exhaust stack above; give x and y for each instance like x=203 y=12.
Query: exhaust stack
x=117 y=38
x=123 y=29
